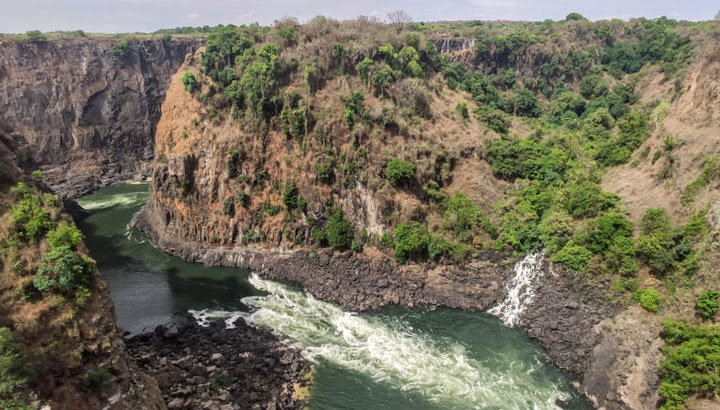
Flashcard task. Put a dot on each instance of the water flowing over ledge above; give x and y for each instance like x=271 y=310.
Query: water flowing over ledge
x=520 y=289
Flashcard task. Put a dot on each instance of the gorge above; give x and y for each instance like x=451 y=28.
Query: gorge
x=379 y=189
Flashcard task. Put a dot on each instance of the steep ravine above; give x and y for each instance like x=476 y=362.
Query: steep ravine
x=86 y=116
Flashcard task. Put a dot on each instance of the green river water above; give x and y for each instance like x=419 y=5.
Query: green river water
x=395 y=358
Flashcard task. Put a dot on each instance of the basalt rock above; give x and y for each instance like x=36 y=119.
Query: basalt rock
x=216 y=367
x=87 y=117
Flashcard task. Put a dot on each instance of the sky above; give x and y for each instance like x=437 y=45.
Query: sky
x=111 y=16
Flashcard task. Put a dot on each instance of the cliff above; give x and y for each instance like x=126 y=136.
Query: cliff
x=59 y=349
x=87 y=116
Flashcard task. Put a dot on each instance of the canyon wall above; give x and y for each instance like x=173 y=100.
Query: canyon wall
x=87 y=115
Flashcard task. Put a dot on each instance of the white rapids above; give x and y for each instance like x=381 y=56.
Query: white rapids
x=520 y=289
x=390 y=351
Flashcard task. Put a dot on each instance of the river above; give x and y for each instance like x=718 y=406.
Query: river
x=395 y=358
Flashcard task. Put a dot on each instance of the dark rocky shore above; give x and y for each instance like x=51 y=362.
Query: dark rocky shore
x=220 y=369
x=564 y=317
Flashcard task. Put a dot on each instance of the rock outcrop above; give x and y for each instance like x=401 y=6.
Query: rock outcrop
x=86 y=116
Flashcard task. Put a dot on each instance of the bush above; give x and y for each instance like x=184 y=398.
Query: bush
x=190 y=83
x=356 y=246
x=31 y=218
x=587 y=199
x=594 y=86
x=649 y=299
x=228 y=208
x=339 y=231
x=411 y=241
x=11 y=363
x=462 y=109
x=387 y=240
x=496 y=120
x=290 y=195
x=655 y=220
x=64 y=271
x=692 y=357
x=574 y=16
x=461 y=216
x=354 y=110
x=399 y=172
x=121 y=49
x=573 y=256
x=35 y=36
x=65 y=235
x=325 y=172
x=707 y=303
x=96 y=379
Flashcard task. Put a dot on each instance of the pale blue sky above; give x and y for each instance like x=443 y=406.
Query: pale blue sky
x=149 y=15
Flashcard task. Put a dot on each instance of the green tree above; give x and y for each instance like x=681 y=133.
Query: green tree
x=35 y=36
x=290 y=195
x=339 y=231
x=189 y=81
x=707 y=303
x=399 y=172
x=64 y=271
x=411 y=241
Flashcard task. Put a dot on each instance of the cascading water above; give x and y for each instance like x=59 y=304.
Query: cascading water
x=520 y=289
x=391 y=351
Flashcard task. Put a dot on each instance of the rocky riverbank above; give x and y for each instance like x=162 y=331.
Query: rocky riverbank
x=219 y=368
x=568 y=316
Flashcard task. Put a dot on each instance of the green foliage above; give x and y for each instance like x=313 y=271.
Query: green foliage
x=573 y=256
x=363 y=68
x=290 y=196
x=556 y=229
x=382 y=79
x=387 y=240
x=648 y=298
x=354 y=109
x=692 y=360
x=523 y=102
x=411 y=241
x=30 y=214
x=587 y=199
x=189 y=81
x=356 y=246
x=11 y=363
x=654 y=220
x=298 y=118
x=462 y=109
x=325 y=172
x=710 y=170
x=399 y=172
x=37 y=175
x=707 y=303
x=228 y=208
x=65 y=235
x=64 y=271
x=496 y=120
x=574 y=16
x=659 y=247
x=121 y=48
x=96 y=379
x=461 y=216
x=594 y=86
x=35 y=36
x=512 y=158
x=339 y=231
x=566 y=107
x=16 y=403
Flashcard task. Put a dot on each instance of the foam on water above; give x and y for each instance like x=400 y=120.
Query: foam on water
x=390 y=351
x=124 y=200
x=520 y=289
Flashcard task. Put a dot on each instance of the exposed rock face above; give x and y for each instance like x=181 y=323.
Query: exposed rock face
x=218 y=368
x=74 y=340
x=87 y=116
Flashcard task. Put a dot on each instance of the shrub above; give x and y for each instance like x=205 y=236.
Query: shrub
x=290 y=195
x=37 y=175
x=655 y=220
x=655 y=251
x=31 y=218
x=11 y=363
x=387 y=240
x=121 y=49
x=496 y=120
x=461 y=216
x=573 y=256
x=556 y=229
x=399 y=172
x=35 y=36
x=594 y=86
x=228 y=207
x=356 y=246
x=462 y=109
x=574 y=16
x=354 y=110
x=587 y=199
x=96 y=379
x=65 y=235
x=190 y=83
x=707 y=303
x=339 y=231
x=63 y=271
x=325 y=172
x=382 y=79
x=649 y=299
x=692 y=357
x=411 y=241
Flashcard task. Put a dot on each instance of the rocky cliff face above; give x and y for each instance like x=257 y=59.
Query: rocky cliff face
x=63 y=343
x=87 y=116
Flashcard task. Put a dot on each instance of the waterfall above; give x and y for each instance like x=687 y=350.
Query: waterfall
x=520 y=289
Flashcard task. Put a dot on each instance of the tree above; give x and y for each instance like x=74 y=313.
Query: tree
x=574 y=16
x=398 y=171
x=399 y=19
x=35 y=36
x=190 y=83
